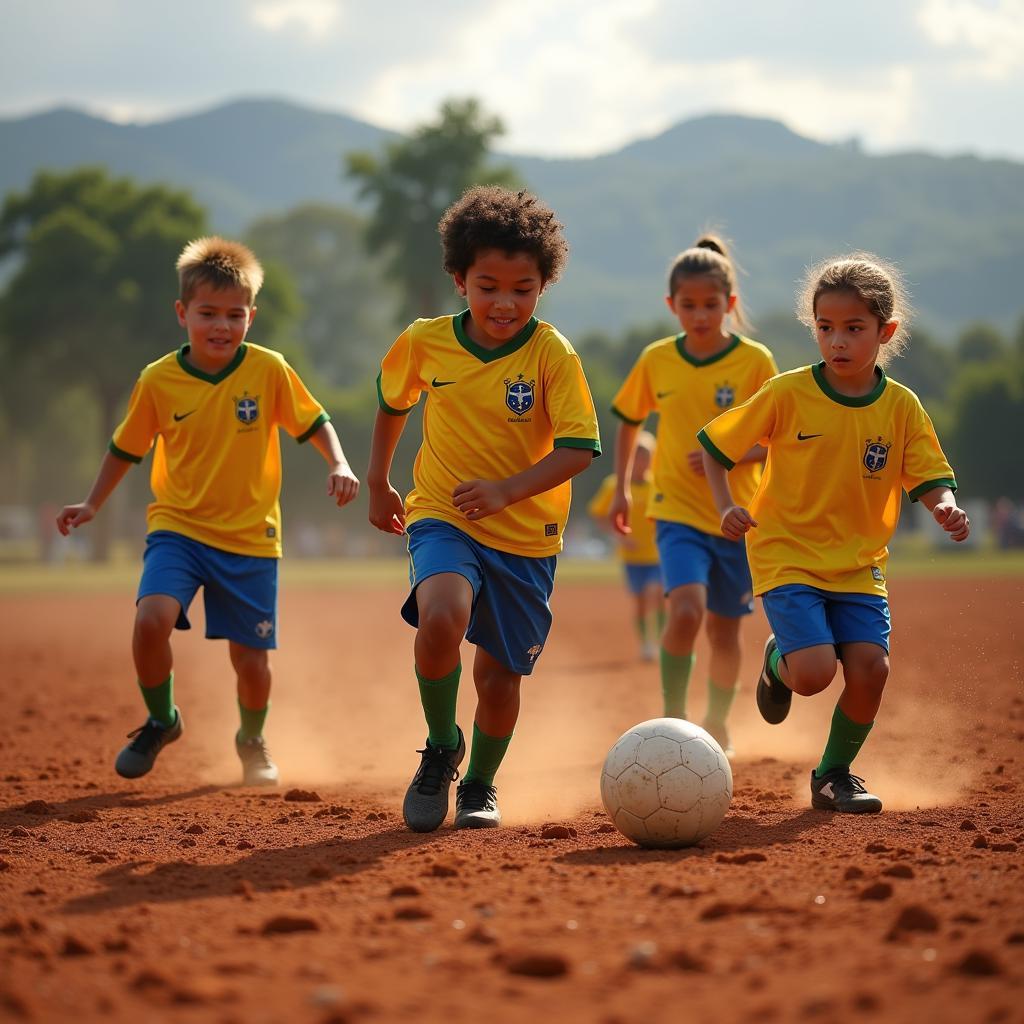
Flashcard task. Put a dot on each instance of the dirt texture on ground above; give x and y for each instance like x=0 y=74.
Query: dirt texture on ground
x=184 y=897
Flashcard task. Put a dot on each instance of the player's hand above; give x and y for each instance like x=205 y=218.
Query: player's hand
x=736 y=521
x=953 y=520
x=73 y=516
x=342 y=484
x=618 y=514
x=696 y=461
x=477 y=499
x=387 y=510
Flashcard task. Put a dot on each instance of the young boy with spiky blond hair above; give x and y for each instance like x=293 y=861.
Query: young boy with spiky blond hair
x=211 y=412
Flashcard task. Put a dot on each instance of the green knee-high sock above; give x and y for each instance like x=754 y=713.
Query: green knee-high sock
x=252 y=721
x=439 y=698
x=160 y=700
x=659 y=617
x=720 y=701
x=773 y=665
x=675 y=680
x=641 y=627
x=845 y=739
x=486 y=756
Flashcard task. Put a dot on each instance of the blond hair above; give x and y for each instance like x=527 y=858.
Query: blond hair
x=219 y=263
x=645 y=439
x=709 y=257
x=876 y=282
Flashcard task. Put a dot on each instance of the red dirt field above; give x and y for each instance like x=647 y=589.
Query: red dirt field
x=183 y=897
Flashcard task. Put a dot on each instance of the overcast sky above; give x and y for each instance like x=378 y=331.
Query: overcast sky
x=566 y=76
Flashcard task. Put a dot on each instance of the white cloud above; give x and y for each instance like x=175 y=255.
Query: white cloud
x=989 y=36
x=313 y=17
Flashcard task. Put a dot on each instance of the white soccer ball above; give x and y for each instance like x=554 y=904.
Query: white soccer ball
x=666 y=783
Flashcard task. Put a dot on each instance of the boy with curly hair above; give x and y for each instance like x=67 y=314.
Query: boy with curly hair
x=211 y=412
x=508 y=423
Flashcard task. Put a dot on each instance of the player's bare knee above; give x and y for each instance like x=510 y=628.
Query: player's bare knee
x=250 y=662
x=442 y=625
x=870 y=677
x=809 y=676
x=152 y=625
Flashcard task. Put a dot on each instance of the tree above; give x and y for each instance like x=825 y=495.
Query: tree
x=350 y=306
x=91 y=299
x=988 y=409
x=413 y=184
x=980 y=343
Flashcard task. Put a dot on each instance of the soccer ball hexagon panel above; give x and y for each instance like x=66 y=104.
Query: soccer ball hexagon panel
x=666 y=783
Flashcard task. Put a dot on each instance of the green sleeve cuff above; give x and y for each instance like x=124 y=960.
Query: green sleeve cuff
x=709 y=447
x=924 y=488
x=625 y=419
x=121 y=454
x=590 y=443
x=317 y=424
x=387 y=408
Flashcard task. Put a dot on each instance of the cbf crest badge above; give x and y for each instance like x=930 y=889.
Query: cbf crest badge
x=247 y=410
x=876 y=454
x=519 y=394
x=725 y=395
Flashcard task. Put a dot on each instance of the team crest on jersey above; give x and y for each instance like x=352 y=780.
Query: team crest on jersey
x=876 y=454
x=519 y=394
x=247 y=410
x=264 y=629
x=725 y=395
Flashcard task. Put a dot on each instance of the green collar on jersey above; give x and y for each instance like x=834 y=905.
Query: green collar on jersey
x=211 y=378
x=694 y=361
x=818 y=371
x=488 y=355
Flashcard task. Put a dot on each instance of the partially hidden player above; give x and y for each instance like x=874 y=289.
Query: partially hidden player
x=637 y=550
x=508 y=421
x=211 y=412
x=843 y=441
x=686 y=379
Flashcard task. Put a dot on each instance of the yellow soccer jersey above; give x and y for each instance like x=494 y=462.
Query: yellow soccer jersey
x=217 y=463
x=829 y=500
x=686 y=393
x=491 y=413
x=642 y=550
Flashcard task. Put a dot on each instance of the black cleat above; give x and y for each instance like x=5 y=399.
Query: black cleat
x=426 y=799
x=838 y=790
x=147 y=741
x=774 y=697
x=476 y=806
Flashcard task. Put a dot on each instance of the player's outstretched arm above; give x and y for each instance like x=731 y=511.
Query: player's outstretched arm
x=477 y=499
x=622 y=501
x=342 y=484
x=941 y=502
x=387 y=509
x=111 y=472
x=736 y=521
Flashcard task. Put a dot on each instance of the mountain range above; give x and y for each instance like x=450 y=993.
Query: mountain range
x=955 y=224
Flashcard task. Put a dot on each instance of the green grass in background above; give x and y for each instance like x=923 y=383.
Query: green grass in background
x=911 y=561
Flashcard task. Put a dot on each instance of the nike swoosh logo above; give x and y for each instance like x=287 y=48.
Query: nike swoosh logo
x=664 y=394
x=183 y=416
x=806 y=437
x=435 y=383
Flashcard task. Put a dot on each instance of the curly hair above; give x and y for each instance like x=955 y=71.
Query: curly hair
x=490 y=217
x=877 y=283
x=219 y=263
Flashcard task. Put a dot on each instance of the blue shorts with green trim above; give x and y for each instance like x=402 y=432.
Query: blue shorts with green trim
x=511 y=616
x=804 y=616
x=689 y=555
x=239 y=591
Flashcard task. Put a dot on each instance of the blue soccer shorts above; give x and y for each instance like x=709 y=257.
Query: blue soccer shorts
x=641 y=575
x=511 y=616
x=239 y=591
x=803 y=616
x=689 y=555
